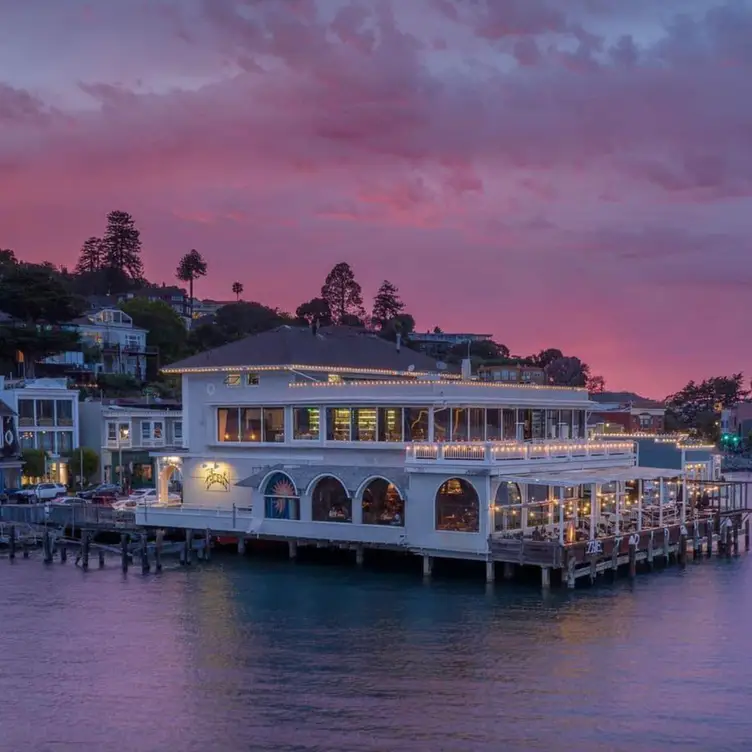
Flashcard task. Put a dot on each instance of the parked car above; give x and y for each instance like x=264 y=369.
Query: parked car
x=40 y=492
x=100 y=488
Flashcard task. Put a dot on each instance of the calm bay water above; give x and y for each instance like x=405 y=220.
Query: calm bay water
x=248 y=654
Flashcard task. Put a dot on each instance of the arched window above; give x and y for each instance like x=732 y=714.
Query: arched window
x=457 y=506
x=507 y=509
x=382 y=504
x=281 y=499
x=330 y=502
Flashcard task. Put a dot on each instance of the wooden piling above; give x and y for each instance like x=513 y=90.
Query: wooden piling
x=241 y=546
x=25 y=549
x=709 y=535
x=427 y=566
x=207 y=545
x=63 y=553
x=187 y=549
x=159 y=540
x=682 y=555
x=651 y=553
x=508 y=570
x=746 y=534
x=545 y=577
x=85 y=537
x=632 y=560
x=292 y=552
x=571 y=564
x=101 y=559
x=124 y=552
x=593 y=569
x=735 y=537
x=12 y=542
x=490 y=572
x=696 y=544
x=47 y=547
x=144 y=555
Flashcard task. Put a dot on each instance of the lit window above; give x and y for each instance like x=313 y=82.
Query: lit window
x=233 y=379
x=251 y=379
x=306 y=423
x=334 y=378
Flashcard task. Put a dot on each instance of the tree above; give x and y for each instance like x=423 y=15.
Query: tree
x=545 y=357
x=122 y=251
x=91 y=258
x=596 y=384
x=237 y=288
x=233 y=322
x=386 y=304
x=165 y=329
x=567 y=371
x=7 y=260
x=342 y=293
x=485 y=350
x=403 y=324
x=190 y=268
x=34 y=463
x=23 y=345
x=85 y=459
x=316 y=309
x=36 y=295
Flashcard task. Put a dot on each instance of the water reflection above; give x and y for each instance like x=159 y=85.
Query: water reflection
x=246 y=654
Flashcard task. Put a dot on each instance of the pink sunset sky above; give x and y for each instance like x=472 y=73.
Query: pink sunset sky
x=568 y=173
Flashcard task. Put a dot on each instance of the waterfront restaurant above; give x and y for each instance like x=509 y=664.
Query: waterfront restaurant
x=337 y=437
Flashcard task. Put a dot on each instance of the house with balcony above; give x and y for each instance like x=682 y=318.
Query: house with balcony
x=125 y=433
x=626 y=412
x=46 y=415
x=336 y=436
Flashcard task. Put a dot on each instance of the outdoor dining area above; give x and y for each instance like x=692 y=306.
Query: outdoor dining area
x=581 y=505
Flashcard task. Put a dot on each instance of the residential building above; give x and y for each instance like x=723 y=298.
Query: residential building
x=175 y=297
x=438 y=344
x=336 y=436
x=47 y=418
x=512 y=373
x=626 y=412
x=10 y=452
x=125 y=432
x=208 y=307
x=737 y=420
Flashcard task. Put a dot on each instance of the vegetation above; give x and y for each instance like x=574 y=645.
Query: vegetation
x=344 y=296
x=86 y=459
x=237 y=290
x=190 y=268
x=35 y=462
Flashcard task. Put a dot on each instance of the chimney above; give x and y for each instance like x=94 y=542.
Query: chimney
x=467 y=369
x=399 y=341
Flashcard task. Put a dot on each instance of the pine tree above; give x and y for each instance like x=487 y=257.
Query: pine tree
x=191 y=267
x=386 y=305
x=237 y=288
x=91 y=257
x=122 y=249
x=343 y=294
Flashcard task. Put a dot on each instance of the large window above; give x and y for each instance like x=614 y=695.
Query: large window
x=390 y=424
x=111 y=432
x=228 y=424
x=459 y=424
x=509 y=424
x=457 y=507
x=274 y=424
x=64 y=410
x=538 y=424
x=477 y=423
x=26 y=440
x=177 y=431
x=152 y=431
x=250 y=424
x=416 y=423
x=330 y=502
x=507 y=507
x=46 y=440
x=338 y=423
x=525 y=418
x=64 y=441
x=552 y=424
x=382 y=504
x=281 y=500
x=45 y=412
x=441 y=424
x=364 y=424
x=306 y=423
x=25 y=412
x=493 y=425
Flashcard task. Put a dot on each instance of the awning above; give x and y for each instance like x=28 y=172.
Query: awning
x=351 y=477
x=600 y=475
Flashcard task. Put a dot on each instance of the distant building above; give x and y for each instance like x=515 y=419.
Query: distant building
x=124 y=432
x=47 y=418
x=208 y=307
x=737 y=420
x=175 y=297
x=438 y=344
x=626 y=412
x=512 y=373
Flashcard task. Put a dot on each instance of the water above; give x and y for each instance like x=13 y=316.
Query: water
x=247 y=654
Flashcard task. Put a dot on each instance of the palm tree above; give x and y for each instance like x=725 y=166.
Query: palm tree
x=237 y=288
x=191 y=267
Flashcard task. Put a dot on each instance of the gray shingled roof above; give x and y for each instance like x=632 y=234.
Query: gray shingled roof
x=352 y=477
x=336 y=346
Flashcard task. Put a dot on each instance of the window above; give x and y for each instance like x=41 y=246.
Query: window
x=251 y=379
x=306 y=424
x=477 y=419
x=364 y=424
x=26 y=440
x=390 y=424
x=46 y=412
x=459 y=424
x=46 y=441
x=457 y=507
x=228 y=424
x=338 y=424
x=250 y=424
x=233 y=379
x=177 y=430
x=382 y=504
x=525 y=417
x=526 y=375
x=281 y=499
x=538 y=424
x=330 y=502
x=441 y=424
x=124 y=432
x=64 y=441
x=507 y=507
x=493 y=425
x=158 y=429
x=509 y=424
x=334 y=378
x=111 y=432
x=274 y=424
x=25 y=412
x=64 y=409
x=552 y=424
x=145 y=430
x=416 y=423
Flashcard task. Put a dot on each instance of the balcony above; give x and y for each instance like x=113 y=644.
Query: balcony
x=118 y=444
x=514 y=452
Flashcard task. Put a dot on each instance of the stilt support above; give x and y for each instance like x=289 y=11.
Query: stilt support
x=12 y=542
x=101 y=559
x=746 y=535
x=545 y=577
x=85 y=541
x=158 y=550
x=632 y=561
x=490 y=571
x=145 y=567
x=508 y=570
x=360 y=556
x=124 y=552
x=241 y=546
x=427 y=566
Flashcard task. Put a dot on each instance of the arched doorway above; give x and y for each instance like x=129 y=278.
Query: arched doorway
x=281 y=498
x=169 y=478
x=330 y=501
x=507 y=507
x=382 y=503
x=457 y=506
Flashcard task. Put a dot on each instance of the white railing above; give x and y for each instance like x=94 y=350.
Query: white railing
x=115 y=444
x=508 y=451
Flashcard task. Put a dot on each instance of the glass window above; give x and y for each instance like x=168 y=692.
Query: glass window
x=477 y=417
x=507 y=509
x=233 y=379
x=64 y=410
x=525 y=417
x=509 y=424
x=46 y=441
x=251 y=379
x=493 y=424
x=441 y=424
x=158 y=429
x=457 y=507
x=124 y=431
x=338 y=424
x=250 y=426
x=145 y=430
x=390 y=424
x=330 y=502
x=382 y=504
x=364 y=424
x=565 y=424
x=111 y=431
x=274 y=424
x=552 y=424
x=64 y=441
x=459 y=424
x=538 y=515
x=579 y=424
x=538 y=424
x=25 y=412
x=228 y=424
x=416 y=423
x=306 y=424
x=26 y=440
x=334 y=378
x=46 y=412
x=177 y=430
x=281 y=500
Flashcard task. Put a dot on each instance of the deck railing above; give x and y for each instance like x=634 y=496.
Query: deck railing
x=507 y=451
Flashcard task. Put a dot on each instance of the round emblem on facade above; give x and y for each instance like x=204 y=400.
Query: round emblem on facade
x=8 y=437
x=210 y=388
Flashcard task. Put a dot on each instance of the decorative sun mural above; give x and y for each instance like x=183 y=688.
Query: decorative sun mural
x=278 y=492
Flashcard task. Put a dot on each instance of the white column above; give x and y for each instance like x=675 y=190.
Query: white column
x=661 y=494
x=685 y=491
x=617 y=505
x=593 y=508
x=640 y=487
x=561 y=514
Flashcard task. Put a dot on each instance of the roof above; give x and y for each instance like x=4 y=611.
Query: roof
x=625 y=398
x=339 y=347
x=567 y=478
x=6 y=411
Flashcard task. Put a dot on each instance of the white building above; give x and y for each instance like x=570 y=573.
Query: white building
x=47 y=418
x=126 y=434
x=340 y=437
